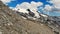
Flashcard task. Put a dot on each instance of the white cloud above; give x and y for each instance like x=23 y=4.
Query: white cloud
x=6 y=1
x=45 y=9
x=26 y=5
x=56 y=3
x=32 y=6
x=54 y=7
x=48 y=8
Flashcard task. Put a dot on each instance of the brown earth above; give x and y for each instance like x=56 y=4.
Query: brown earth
x=13 y=23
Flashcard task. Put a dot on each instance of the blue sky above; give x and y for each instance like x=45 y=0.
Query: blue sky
x=14 y=3
x=53 y=3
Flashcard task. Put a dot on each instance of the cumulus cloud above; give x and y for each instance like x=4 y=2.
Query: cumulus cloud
x=26 y=5
x=45 y=9
x=54 y=7
x=6 y=1
x=48 y=8
x=56 y=3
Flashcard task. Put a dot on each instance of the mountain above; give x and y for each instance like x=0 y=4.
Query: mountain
x=52 y=21
x=14 y=22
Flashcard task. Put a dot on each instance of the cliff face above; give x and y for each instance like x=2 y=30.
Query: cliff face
x=13 y=23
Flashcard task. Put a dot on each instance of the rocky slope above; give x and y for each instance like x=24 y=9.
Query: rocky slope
x=13 y=23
